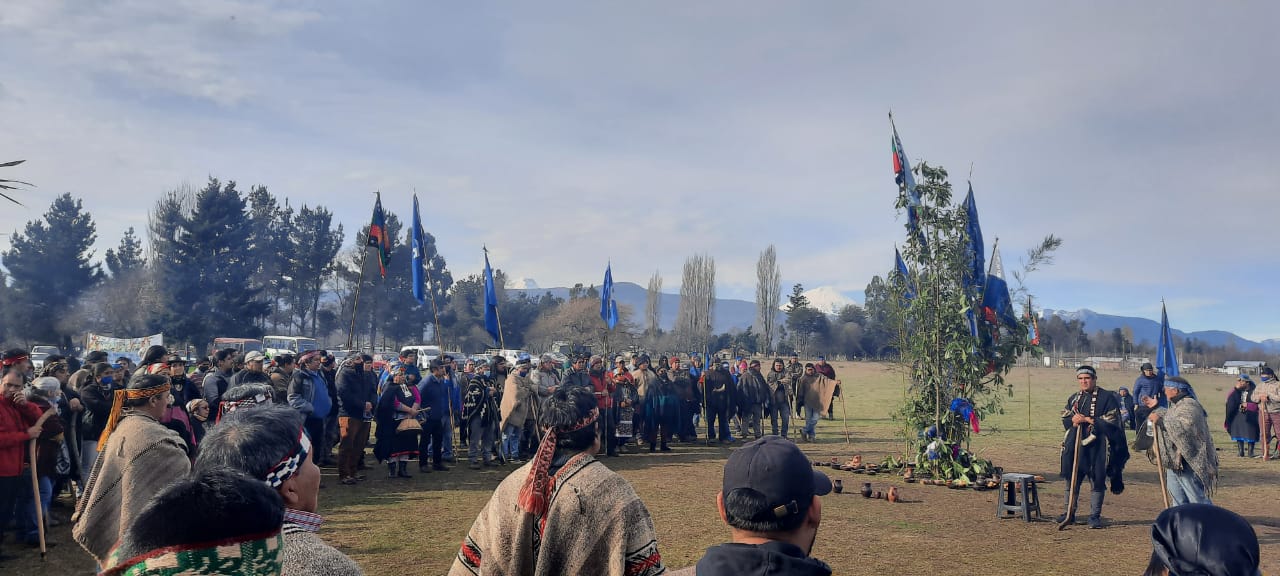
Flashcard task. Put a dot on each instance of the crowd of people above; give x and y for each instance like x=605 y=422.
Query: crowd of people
x=176 y=467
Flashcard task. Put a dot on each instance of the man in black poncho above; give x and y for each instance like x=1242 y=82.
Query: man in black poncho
x=1095 y=413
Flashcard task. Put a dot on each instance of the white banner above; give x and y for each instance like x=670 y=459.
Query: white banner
x=122 y=346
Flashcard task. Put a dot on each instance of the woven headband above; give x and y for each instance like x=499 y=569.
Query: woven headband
x=228 y=407
x=535 y=494
x=117 y=406
x=1087 y=370
x=290 y=464
x=14 y=360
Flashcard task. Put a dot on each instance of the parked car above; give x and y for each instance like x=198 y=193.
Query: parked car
x=40 y=353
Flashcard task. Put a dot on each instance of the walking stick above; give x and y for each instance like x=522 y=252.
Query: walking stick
x=845 y=415
x=1155 y=444
x=35 y=487
x=1072 y=490
x=1266 y=432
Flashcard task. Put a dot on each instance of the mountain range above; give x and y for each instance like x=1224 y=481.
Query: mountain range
x=1148 y=331
x=731 y=315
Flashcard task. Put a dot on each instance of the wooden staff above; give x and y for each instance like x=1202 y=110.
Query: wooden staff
x=1155 y=445
x=1072 y=490
x=35 y=483
x=1263 y=429
x=844 y=413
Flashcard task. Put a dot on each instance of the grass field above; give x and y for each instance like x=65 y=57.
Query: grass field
x=414 y=526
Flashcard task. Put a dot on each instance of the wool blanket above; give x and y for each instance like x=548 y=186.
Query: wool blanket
x=595 y=524
x=141 y=457
x=1185 y=442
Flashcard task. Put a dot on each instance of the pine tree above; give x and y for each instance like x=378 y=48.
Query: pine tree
x=211 y=294
x=314 y=246
x=127 y=257
x=50 y=266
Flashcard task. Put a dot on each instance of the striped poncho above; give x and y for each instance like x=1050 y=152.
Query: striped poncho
x=595 y=524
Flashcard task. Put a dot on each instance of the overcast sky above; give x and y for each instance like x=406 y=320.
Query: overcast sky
x=564 y=135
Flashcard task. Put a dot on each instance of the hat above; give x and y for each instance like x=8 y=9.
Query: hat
x=174 y=359
x=254 y=356
x=1147 y=366
x=595 y=359
x=753 y=363
x=776 y=468
x=524 y=360
x=1244 y=377
x=1267 y=371
x=1204 y=539
x=822 y=358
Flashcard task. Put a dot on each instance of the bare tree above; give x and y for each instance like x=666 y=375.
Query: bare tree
x=697 y=302
x=653 y=307
x=768 y=295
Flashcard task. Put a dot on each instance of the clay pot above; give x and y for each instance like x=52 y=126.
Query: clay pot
x=837 y=487
x=893 y=494
x=866 y=489
x=856 y=461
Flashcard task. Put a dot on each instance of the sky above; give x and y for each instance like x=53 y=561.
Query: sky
x=565 y=135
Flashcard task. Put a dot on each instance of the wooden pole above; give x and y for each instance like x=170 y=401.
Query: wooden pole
x=1155 y=445
x=35 y=484
x=355 y=303
x=1072 y=491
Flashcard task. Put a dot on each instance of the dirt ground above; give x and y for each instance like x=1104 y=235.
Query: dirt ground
x=414 y=526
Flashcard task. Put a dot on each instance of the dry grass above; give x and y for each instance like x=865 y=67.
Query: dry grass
x=388 y=526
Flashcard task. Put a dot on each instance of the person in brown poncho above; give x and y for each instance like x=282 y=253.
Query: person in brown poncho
x=815 y=391
x=137 y=457
x=564 y=512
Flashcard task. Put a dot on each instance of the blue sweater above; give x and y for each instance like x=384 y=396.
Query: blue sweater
x=1153 y=387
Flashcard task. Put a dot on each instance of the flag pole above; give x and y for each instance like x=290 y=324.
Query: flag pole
x=1030 y=317
x=498 y=316
x=355 y=304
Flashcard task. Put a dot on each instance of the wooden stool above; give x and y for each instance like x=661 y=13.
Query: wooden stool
x=1011 y=487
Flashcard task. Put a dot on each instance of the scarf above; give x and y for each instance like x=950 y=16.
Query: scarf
x=535 y=494
x=254 y=554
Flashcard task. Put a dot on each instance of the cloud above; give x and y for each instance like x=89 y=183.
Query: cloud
x=563 y=135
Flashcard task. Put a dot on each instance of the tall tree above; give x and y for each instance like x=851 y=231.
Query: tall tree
x=314 y=244
x=697 y=299
x=768 y=295
x=270 y=252
x=653 y=307
x=50 y=264
x=127 y=257
x=207 y=275
x=809 y=327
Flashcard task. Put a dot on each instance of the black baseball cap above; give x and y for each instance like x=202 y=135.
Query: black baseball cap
x=776 y=468
x=1147 y=366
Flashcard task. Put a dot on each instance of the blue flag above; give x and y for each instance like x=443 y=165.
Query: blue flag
x=490 y=302
x=608 y=308
x=976 y=275
x=419 y=256
x=997 y=306
x=908 y=291
x=1167 y=353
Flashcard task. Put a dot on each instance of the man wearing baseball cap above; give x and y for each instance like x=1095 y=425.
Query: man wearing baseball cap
x=770 y=501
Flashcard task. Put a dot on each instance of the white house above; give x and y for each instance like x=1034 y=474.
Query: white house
x=1235 y=367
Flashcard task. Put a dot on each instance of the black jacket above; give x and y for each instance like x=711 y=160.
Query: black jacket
x=577 y=379
x=352 y=392
x=97 y=407
x=768 y=559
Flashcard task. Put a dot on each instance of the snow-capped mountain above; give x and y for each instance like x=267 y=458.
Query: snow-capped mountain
x=825 y=299
x=523 y=284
